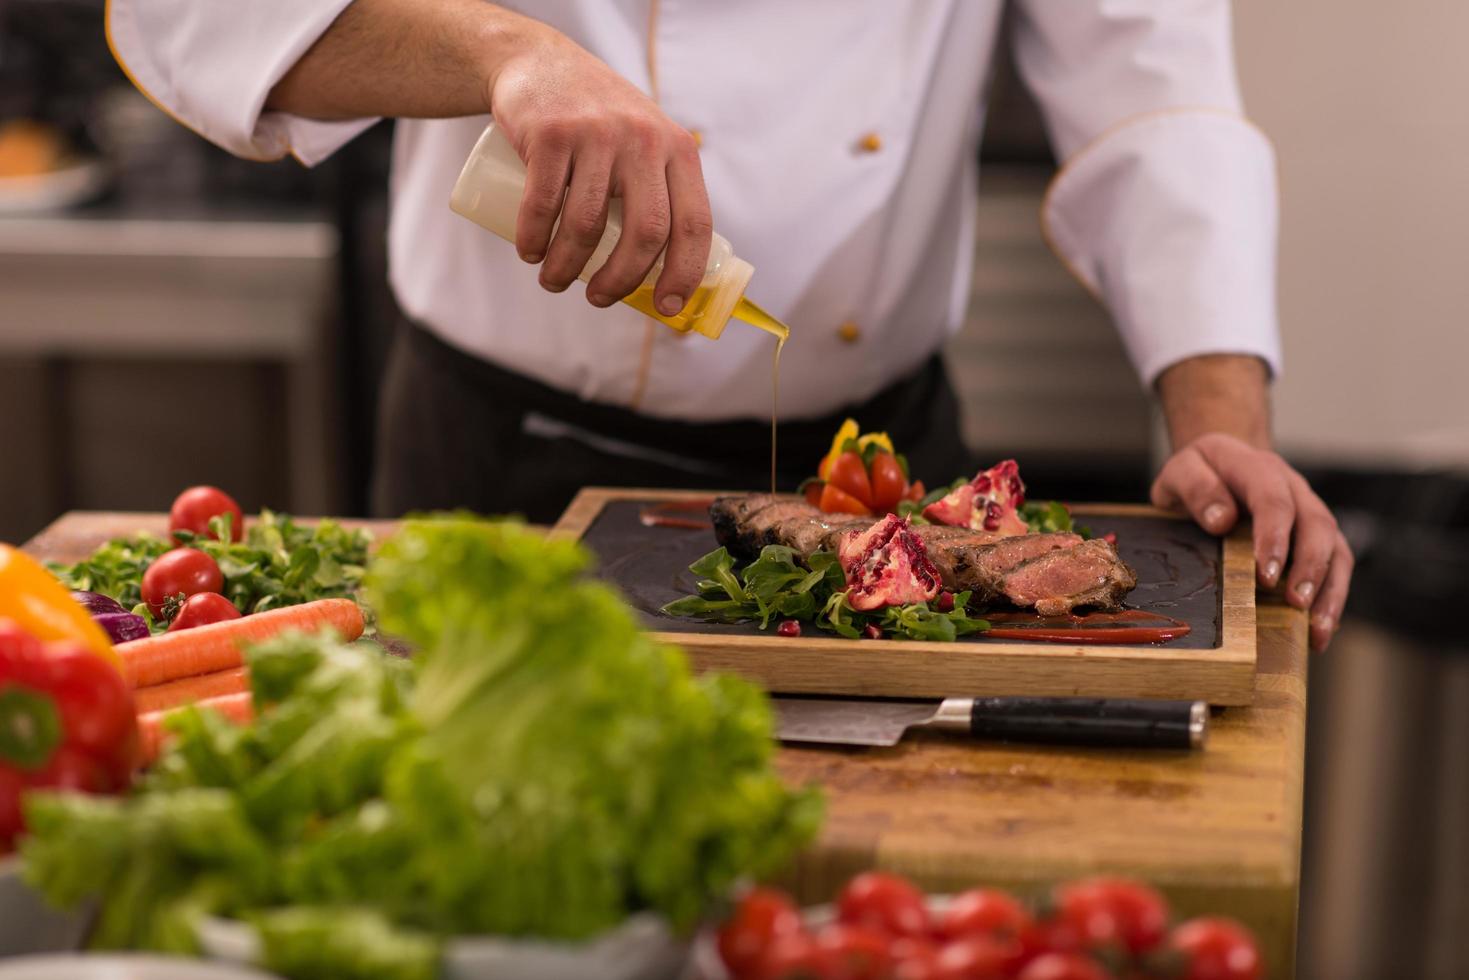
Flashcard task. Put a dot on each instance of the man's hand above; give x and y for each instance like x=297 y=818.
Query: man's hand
x=1222 y=467
x=585 y=133
x=589 y=135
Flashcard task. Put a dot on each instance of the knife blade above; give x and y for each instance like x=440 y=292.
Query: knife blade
x=1134 y=723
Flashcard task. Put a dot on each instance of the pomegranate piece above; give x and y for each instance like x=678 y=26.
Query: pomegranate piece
x=989 y=502
x=955 y=509
x=791 y=627
x=887 y=565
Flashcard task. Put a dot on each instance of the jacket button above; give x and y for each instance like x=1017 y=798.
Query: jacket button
x=849 y=332
x=870 y=143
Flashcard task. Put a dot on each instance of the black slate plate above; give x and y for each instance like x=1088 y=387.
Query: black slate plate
x=1177 y=565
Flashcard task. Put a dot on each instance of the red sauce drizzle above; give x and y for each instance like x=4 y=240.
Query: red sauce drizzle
x=1130 y=626
x=671 y=513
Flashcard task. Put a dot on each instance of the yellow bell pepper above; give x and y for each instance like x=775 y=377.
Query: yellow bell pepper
x=38 y=602
x=849 y=431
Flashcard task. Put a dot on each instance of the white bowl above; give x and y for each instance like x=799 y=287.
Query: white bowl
x=122 y=966
x=642 y=948
x=28 y=924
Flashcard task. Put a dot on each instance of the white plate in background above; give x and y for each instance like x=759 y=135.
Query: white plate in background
x=122 y=966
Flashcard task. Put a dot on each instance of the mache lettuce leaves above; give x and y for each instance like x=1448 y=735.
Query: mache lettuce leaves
x=777 y=585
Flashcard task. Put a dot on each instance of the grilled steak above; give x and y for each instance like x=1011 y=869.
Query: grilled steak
x=1054 y=573
x=1088 y=574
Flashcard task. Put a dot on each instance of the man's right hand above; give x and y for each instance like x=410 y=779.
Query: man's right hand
x=576 y=123
x=587 y=135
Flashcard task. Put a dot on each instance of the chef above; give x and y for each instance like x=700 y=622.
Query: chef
x=834 y=143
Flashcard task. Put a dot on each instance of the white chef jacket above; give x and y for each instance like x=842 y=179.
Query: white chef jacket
x=839 y=145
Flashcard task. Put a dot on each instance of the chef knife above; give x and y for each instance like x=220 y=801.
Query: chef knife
x=1057 y=721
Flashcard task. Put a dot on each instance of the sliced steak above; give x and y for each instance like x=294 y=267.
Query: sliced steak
x=981 y=567
x=1058 y=581
x=1052 y=572
x=746 y=524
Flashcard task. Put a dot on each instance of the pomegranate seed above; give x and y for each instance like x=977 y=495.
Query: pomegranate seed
x=945 y=601
x=982 y=483
x=872 y=631
x=790 y=627
x=1111 y=538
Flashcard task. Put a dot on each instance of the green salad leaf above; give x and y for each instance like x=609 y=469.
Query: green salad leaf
x=116 y=568
x=1046 y=516
x=280 y=562
x=542 y=767
x=776 y=584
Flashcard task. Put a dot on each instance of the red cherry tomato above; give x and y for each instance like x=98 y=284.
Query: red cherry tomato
x=1088 y=914
x=884 y=902
x=1051 y=935
x=96 y=706
x=849 y=474
x=182 y=571
x=919 y=950
x=1216 y=949
x=1064 y=966
x=202 y=609
x=791 y=957
x=835 y=500
x=1139 y=914
x=916 y=491
x=914 y=959
x=889 y=482
x=194 y=508
x=978 y=957
x=854 y=952
x=982 y=911
x=813 y=492
x=761 y=917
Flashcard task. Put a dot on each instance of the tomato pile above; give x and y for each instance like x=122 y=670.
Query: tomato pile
x=862 y=474
x=886 y=929
x=182 y=587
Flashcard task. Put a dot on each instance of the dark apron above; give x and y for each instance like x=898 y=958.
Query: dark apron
x=458 y=432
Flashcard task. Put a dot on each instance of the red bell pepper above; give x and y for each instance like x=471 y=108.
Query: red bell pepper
x=66 y=722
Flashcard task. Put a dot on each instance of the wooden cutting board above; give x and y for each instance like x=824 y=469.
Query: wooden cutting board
x=1182 y=573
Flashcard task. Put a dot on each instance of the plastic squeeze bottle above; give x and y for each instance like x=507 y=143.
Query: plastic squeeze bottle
x=488 y=193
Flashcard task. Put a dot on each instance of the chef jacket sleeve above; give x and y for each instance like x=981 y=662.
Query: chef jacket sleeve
x=1165 y=205
x=210 y=64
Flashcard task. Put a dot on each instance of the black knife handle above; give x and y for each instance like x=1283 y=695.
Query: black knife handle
x=1113 y=722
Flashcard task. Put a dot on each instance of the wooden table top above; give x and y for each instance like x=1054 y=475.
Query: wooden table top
x=1219 y=830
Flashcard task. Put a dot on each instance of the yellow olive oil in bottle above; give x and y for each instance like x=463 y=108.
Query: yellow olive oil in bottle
x=489 y=190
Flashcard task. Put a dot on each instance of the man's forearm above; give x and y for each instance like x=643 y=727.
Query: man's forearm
x=1228 y=393
x=416 y=58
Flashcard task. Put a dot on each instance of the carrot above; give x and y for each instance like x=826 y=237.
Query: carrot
x=217 y=646
x=187 y=690
x=153 y=737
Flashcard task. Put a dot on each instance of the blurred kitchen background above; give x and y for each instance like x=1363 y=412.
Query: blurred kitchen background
x=170 y=315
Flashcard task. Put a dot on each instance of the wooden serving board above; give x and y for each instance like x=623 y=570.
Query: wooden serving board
x=1182 y=572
